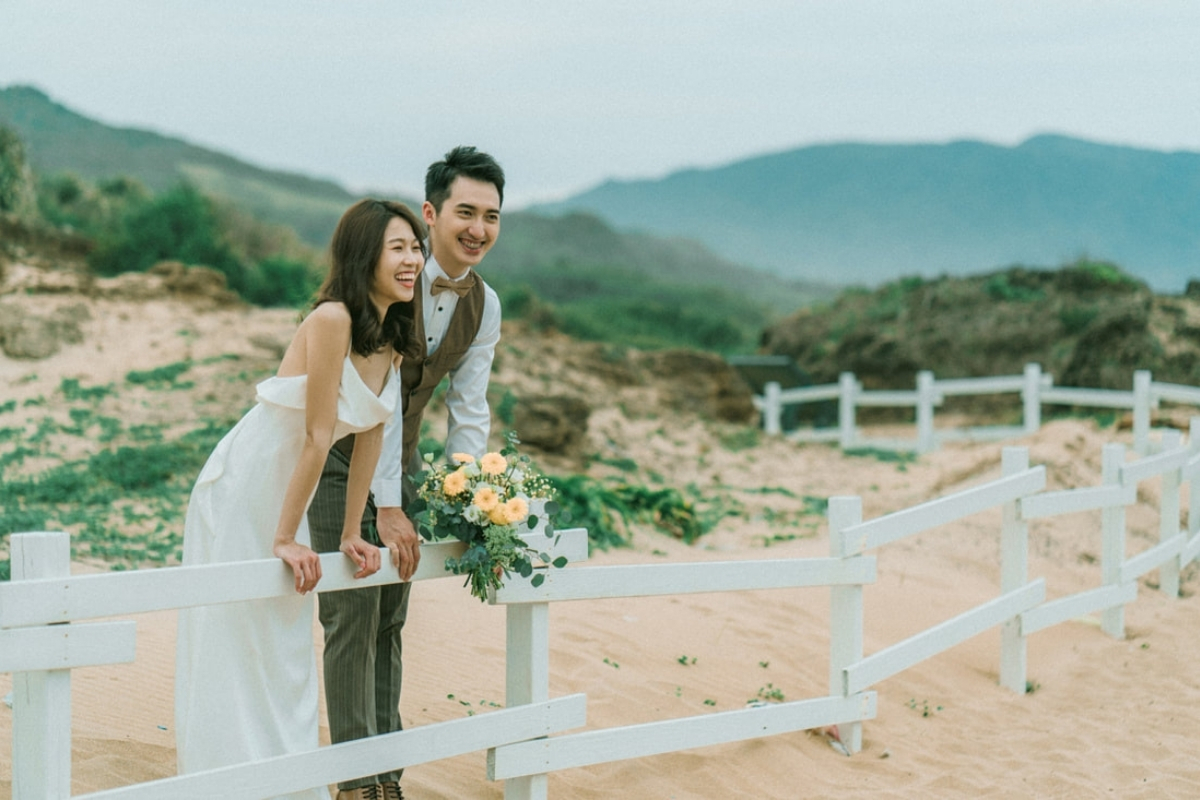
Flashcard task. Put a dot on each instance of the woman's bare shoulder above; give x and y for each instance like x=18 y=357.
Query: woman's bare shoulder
x=332 y=312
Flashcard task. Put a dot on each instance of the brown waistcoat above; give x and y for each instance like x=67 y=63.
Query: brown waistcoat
x=420 y=374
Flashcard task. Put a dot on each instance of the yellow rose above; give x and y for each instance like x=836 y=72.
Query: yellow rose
x=455 y=483
x=486 y=498
x=518 y=509
x=462 y=458
x=493 y=464
x=499 y=514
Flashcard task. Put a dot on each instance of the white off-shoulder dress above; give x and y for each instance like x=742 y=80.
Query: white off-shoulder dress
x=246 y=673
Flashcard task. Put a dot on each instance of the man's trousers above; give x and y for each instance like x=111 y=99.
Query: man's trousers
x=362 y=628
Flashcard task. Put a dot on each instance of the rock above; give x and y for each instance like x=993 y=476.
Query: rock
x=26 y=337
x=24 y=278
x=194 y=281
x=67 y=319
x=170 y=279
x=555 y=424
x=692 y=381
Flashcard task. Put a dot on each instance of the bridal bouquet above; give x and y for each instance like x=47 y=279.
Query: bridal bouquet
x=486 y=504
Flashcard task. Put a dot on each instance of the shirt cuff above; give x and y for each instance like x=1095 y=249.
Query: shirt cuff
x=387 y=493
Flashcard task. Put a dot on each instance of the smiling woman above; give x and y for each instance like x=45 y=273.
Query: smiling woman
x=338 y=378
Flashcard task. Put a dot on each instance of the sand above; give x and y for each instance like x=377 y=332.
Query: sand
x=1106 y=718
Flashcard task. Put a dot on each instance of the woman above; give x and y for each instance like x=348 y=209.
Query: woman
x=246 y=678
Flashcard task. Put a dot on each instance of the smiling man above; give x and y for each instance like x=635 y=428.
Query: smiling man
x=456 y=322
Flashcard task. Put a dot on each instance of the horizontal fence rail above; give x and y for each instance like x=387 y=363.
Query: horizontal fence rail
x=644 y=580
x=869 y=535
x=78 y=597
x=349 y=760
x=667 y=736
x=941 y=637
x=1035 y=388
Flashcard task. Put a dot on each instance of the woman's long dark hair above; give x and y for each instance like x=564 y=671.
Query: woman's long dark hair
x=355 y=250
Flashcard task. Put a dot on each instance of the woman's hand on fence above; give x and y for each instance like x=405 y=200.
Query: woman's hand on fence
x=364 y=555
x=305 y=564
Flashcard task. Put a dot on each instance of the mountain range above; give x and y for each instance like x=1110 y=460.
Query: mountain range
x=869 y=213
x=784 y=226
x=533 y=249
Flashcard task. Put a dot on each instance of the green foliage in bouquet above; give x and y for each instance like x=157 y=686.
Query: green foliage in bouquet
x=485 y=504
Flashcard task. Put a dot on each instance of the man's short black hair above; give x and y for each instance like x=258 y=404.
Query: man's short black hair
x=462 y=160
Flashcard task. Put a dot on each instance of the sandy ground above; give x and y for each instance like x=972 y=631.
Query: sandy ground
x=1106 y=718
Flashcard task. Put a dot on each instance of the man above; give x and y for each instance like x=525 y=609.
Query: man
x=457 y=325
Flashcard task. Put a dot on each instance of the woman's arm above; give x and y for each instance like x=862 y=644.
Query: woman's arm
x=362 y=467
x=324 y=339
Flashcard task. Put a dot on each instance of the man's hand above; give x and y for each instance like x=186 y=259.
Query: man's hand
x=398 y=535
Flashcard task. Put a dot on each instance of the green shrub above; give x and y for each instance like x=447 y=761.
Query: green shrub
x=1002 y=287
x=66 y=199
x=1087 y=275
x=280 y=282
x=178 y=225
x=1075 y=318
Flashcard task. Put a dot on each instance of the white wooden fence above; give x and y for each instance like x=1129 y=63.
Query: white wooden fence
x=1035 y=388
x=38 y=644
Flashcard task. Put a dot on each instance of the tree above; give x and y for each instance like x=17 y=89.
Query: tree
x=178 y=225
x=17 y=193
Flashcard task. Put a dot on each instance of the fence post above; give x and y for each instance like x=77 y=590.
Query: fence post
x=1193 y=521
x=845 y=615
x=1141 y=412
x=848 y=388
x=527 y=679
x=1031 y=398
x=772 y=409
x=1112 y=526
x=1014 y=573
x=41 y=767
x=926 y=394
x=1168 y=519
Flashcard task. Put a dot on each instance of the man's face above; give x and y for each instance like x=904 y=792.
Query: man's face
x=466 y=227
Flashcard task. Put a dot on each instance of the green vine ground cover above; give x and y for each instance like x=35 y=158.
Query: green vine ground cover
x=69 y=462
x=120 y=490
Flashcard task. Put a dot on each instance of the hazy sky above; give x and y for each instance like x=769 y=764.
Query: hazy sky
x=567 y=94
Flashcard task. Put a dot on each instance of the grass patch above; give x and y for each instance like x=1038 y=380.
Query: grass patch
x=123 y=504
x=165 y=377
x=607 y=509
x=900 y=457
x=73 y=390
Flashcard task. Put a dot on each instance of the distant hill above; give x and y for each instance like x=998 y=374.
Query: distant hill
x=1088 y=324
x=59 y=140
x=561 y=259
x=870 y=213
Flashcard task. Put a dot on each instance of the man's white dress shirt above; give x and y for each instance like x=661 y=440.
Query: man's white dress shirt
x=469 y=419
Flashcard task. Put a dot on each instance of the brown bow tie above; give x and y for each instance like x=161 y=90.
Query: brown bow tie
x=460 y=287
